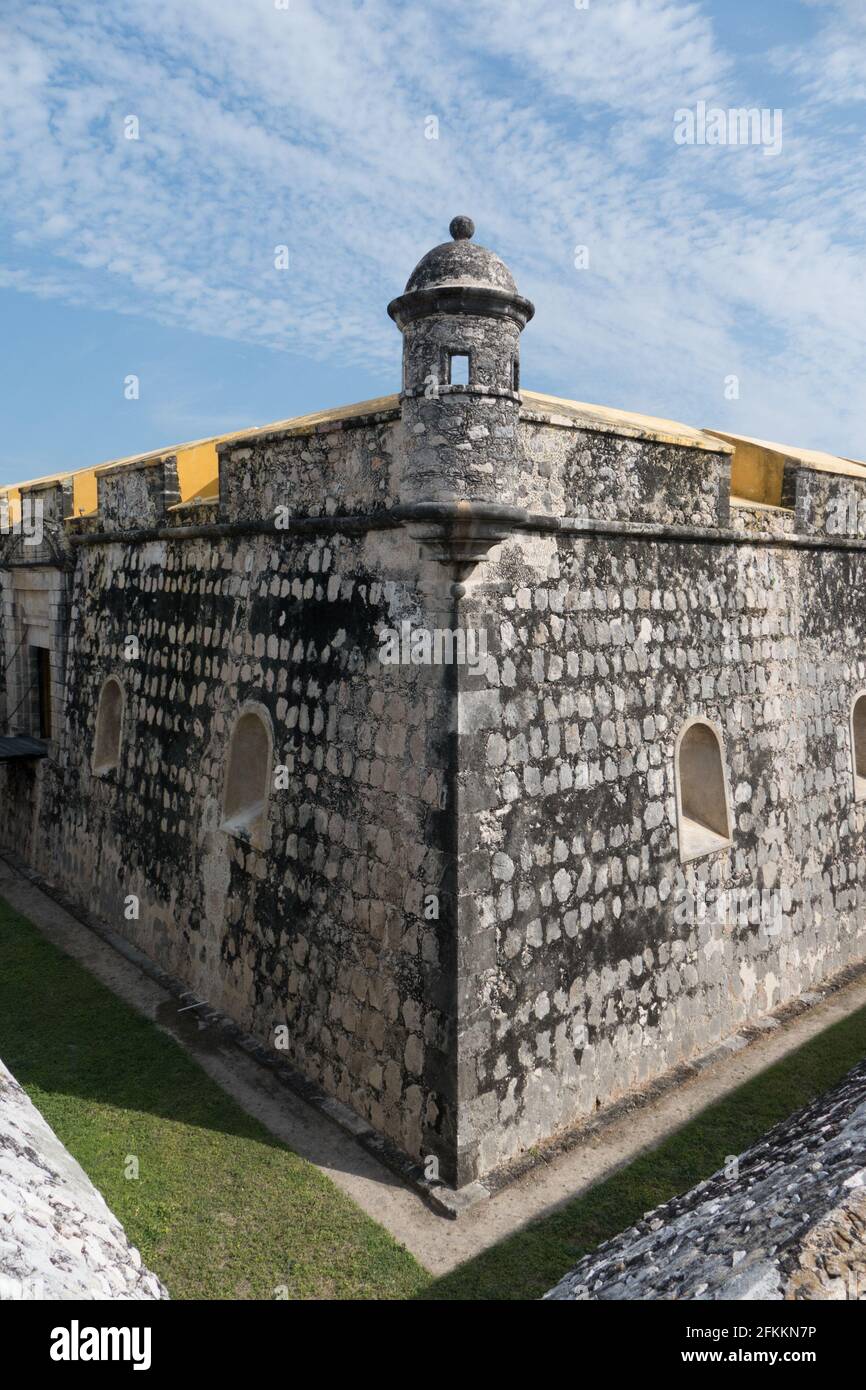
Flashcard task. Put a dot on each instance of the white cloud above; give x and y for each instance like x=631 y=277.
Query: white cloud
x=306 y=127
x=832 y=67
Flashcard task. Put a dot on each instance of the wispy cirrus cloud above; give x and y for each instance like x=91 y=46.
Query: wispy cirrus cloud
x=306 y=127
x=832 y=67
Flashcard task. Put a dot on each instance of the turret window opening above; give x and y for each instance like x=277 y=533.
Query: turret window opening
x=458 y=369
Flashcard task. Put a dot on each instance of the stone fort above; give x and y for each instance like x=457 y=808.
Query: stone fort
x=497 y=753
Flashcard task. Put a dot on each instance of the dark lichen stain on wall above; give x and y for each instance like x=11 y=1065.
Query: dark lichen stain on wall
x=569 y=955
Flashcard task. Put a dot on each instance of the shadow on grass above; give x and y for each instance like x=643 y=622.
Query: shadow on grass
x=532 y=1261
x=63 y=1032
x=218 y=1206
x=72 y=1043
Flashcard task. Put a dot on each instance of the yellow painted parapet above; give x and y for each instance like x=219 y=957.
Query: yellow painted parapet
x=84 y=492
x=11 y=492
x=198 y=472
x=626 y=422
x=316 y=421
x=196 y=467
x=197 y=461
x=758 y=466
x=12 y=497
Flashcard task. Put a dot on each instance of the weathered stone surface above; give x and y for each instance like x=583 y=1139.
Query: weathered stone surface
x=785 y=1220
x=464 y=913
x=599 y=650
x=58 y=1239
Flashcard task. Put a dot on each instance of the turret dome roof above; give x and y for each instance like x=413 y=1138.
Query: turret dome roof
x=461 y=262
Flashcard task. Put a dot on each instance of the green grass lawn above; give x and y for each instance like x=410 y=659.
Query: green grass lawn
x=221 y=1209
x=528 y=1264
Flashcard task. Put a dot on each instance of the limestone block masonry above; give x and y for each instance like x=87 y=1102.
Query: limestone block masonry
x=786 y=1220
x=58 y=1239
x=472 y=623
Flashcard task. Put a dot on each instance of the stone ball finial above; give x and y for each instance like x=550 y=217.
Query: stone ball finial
x=462 y=228
x=447 y=278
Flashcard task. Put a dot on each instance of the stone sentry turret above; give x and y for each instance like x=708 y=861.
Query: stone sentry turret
x=461 y=318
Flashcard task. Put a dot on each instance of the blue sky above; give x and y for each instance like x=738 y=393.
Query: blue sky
x=307 y=127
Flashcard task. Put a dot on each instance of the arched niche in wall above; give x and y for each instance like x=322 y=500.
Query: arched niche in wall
x=858 y=744
x=703 y=801
x=248 y=775
x=109 y=728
